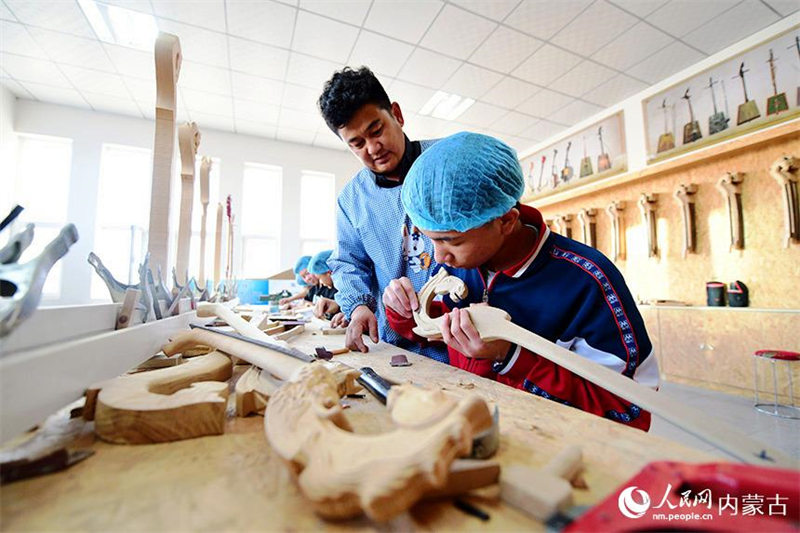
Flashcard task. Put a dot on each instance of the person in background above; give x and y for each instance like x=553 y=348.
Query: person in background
x=463 y=193
x=376 y=242
x=322 y=294
x=303 y=278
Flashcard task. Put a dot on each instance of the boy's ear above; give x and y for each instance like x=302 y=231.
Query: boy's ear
x=509 y=220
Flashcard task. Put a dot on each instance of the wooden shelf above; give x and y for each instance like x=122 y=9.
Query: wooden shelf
x=786 y=130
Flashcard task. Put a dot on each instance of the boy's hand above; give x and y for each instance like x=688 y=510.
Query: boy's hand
x=362 y=320
x=459 y=333
x=339 y=320
x=283 y=301
x=401 y=297
x=325 y=306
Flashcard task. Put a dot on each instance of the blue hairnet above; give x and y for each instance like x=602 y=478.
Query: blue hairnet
x=300 y=281
x=301 y=263
x=319 y=263
x=462 y=182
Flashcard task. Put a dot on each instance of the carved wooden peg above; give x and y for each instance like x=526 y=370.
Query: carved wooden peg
x=587 y=220
x=684 y=195
x=188 y=142
x=731 y=189
x=205 y=171
x=617 y=231
x=785 y=171
x=647 y=206
x=562 y=224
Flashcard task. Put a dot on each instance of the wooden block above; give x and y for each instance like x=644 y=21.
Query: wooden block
x=467 y=475
x=334 y=331
x=534 y=492
x=253 y=390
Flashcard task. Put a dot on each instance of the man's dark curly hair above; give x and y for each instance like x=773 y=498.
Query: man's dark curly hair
x=348 y=91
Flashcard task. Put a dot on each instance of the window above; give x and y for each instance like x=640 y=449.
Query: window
x=42 y=188
x=123 y=214
x=211 y=220
x=318 y=212
x=262 y=193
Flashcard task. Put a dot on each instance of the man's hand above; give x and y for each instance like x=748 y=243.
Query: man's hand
x=339 y=320
x=325 y=306
x=362 y=320
x=459 y=333
x=401 y=297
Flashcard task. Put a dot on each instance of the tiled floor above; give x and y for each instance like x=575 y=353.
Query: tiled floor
x=780 y=433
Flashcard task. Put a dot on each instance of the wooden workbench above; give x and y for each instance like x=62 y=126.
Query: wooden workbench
x=235 y=482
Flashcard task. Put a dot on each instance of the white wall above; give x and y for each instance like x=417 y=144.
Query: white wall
x=8 y=145
x=89 y=130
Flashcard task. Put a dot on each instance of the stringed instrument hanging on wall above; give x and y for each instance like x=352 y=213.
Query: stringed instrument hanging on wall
x=586 y=162
x=749 y=109
x=540 y=185
x=553 y=170
x=777 y=102
x=603 y=160
x=567 y=173
x=691 y=130
x=719 y=120
x=666 y=141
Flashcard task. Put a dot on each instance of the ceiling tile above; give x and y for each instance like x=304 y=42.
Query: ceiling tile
x=258 y=59
x=204 y=102
x=679 y=17
x=575 y=112
x=640 y=8
x=456 y=32
x=34 y=70
x=632 y=46
x=209 y=121
x=665 y=62
x=428 y=68
x=94 y=81
x=71 y=50
x=143 y=91
x=350 y=11
x=519 y=144
x=301 y=120
x=309 y=71
x=293 y=135
x=197 y=44
x=207 y=14
x=505 y=49
x=593 y=28
x=545 y=19
x=205 y=78
x=257 y=129
x=547 y=64
x=584 y=77
x=263 y=21
x=323 y=37
x=402 y=19
x=544 y=103
x=496 y=9
x=327 y=139
x=130 y=62
x=300 y=98
x=112 y=104
x=614 y=90
x=15 y=87
x=471 y=81
x=57 y=15
x=142 y=6
x=513 y=123
x=56 y=95
x=784 y=7
x=256 y=89
x=732 y=26
x=481 y=114
x=509 y=93
x=381 y=54
x=256 y=112
x=410 y=97
x=5 y=13
x=15 y=39
x=545 y=129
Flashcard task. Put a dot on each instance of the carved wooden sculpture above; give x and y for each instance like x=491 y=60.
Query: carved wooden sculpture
x=492 y=323
x=684 y=195
x=617 y=231
x=253 y=390
x=647 y=206
x=168 y=66
x=188 y=142
x=731 y=189
x=205 y=170
x=218 y=246
x=562 y=225
x=164 y=405
x=785 y=172
x=586 y=218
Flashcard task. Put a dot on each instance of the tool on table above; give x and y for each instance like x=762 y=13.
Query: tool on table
x=293 y=352
x=399 y=360
x=53 y=462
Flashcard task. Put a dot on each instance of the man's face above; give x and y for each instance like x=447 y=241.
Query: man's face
x=308 y=277
x=470 y=249
x=375 y=136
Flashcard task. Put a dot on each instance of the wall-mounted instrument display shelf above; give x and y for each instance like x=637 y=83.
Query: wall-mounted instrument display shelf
x=589 y=155
x=745 y=93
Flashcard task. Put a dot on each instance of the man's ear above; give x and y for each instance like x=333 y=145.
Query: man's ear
x=397 y=113
x=509 y=220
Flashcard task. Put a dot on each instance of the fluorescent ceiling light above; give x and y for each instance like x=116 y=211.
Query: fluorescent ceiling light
x=117 y=25
x=446 y=106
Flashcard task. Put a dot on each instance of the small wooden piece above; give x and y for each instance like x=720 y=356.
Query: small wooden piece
x=785 y=172
x=297 y=330
x=684 y=195
x=188 y=142
x=467 y=475
x=586 y=218
x=253 y=390
x=730 y=185
x=647 y=206
x=562 y=225
x=334 y=331
x=163 y=405
x=125 y=316
x=205 y=170
x=617 y=231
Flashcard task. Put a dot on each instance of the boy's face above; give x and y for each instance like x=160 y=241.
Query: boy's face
x=308 y=277
x=375 y=136
x=470 y=249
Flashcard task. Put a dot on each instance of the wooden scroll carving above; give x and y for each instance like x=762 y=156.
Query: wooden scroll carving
x=168 y=66
x=562 y=225
x=344 y=474
x=684 y=195
x=647 y=206
x=492 y=323
x=785 y=172
x=188 y=142
x=218 y=247
x=586 y=218
x=617 y=231
x=175 y=403
x=205 y=170
x=730 y=186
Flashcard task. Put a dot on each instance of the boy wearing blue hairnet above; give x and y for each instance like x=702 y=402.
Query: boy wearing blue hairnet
x=463 y=193
x=322 y=294
x=303 y=278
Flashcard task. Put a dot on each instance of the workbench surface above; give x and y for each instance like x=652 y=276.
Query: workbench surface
x=235 y=482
